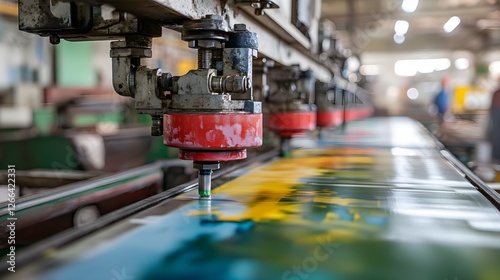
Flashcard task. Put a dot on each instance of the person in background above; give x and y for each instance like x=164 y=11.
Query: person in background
x=441 y=100
x=494 y=126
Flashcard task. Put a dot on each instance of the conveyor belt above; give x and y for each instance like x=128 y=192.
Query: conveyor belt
x=377 y=201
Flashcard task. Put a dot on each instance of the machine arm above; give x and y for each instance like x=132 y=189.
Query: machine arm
x=208 y=113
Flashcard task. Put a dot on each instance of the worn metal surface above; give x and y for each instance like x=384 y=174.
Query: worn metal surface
x=139 y=82
x=213 y=131
x=76 y=21
x=43 y=16
x=165 y=11
x=206 y=91
x=205 y=102
x=212 y=156
x=195 y=82
x=280 y=40
x=212 y=116
x=196 y=109
x=224 y=70
x=397 y=209
x=237 y=62
x=258 y=5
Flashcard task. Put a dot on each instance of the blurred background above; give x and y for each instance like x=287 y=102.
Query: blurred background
x=409 y=49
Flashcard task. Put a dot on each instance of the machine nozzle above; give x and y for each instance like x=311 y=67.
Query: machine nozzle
x=204 y=182
x=205 y=170
x=285 y=147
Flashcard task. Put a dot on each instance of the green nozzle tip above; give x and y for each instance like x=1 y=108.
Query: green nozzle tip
x=287 y=154
x=204 y=193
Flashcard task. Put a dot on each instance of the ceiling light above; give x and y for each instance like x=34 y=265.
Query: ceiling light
x=412 y=93
x=401 y=27
x=370 y=70
x=405 y=68
x=411 y=67
x=399 y=38
x=409 y=6
x=440 y=64
x=462 y=63
x=425 y=68
x=494 y=68
x=451 y=24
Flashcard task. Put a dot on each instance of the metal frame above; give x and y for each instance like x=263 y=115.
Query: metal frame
x=486 y=191
x=75 y=188
x=279 y=39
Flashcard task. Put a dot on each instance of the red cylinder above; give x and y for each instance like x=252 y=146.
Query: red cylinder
x=292 y=124
x=353 y=114
x=212 y=155
x=329 y=118
x=212 y=137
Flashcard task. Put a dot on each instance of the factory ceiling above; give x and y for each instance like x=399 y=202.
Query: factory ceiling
x=371 y=24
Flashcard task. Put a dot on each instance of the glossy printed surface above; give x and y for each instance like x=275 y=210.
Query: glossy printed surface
x=340 y=209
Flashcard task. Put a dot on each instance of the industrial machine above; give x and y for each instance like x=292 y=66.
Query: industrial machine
x=209 y=113
x=329 y=104
x=338 y=100
x=290 y=103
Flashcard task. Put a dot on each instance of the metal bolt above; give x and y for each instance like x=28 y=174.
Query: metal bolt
x=285 y=147
x=54 y=39
x=229 y=84
x=240 y=27
x=204 y=59
x=237 y=84
x=207 y=44
x=157 y=126
x=214 y=17
x=259 y=12
x=166 y=82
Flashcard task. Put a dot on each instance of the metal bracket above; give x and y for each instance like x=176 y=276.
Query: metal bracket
x=259 y=5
